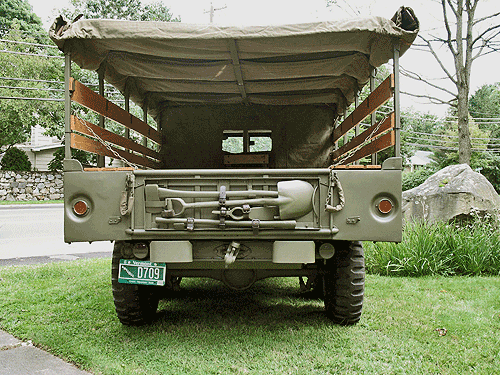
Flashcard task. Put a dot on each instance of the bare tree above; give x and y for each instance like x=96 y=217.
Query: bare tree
x=467 y=38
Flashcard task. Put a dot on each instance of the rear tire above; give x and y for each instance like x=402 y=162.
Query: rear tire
x=135 y=304
x=345 y=283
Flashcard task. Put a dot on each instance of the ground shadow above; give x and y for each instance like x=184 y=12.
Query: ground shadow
x=267 y=303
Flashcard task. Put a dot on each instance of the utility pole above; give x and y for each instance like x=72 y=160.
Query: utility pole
x=212 y=11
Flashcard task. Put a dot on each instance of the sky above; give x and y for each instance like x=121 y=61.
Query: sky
x=266 y=12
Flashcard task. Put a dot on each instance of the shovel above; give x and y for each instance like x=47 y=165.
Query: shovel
x=157 y=193
x=294 y=200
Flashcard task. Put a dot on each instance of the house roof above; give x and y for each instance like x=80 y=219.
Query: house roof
x=421 y=158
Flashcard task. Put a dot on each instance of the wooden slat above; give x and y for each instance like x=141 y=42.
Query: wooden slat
x=236 y=159
x=387 y=123
x=377 y=98
x=387 y=140
x=356 y=167
x=90 y=99
x=78 y=125
x=86 y=144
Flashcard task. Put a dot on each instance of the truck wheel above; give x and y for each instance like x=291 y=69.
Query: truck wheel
x=134 y=304
x=345 y=283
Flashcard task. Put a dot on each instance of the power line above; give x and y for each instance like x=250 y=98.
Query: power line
x=449 y=136
x=452 y=148
x=25 y=98
x=30 y=88
x=30 y=80
x=28 y=44
x=31 y=54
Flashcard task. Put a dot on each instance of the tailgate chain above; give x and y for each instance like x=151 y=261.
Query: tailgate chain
x=334 y=183
x=127 y=199
x=107 y=145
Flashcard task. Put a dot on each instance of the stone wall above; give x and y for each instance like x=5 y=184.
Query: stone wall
x=30 y=186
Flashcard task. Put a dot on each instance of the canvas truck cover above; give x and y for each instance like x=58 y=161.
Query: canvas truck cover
x=169 y=63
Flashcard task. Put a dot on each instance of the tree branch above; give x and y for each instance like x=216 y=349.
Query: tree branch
x=451 y=7
x=488 y=43
x=447 y=25
x=432 y=99
x=480 y=36
x=479 y=20
x=417 y=77
x=436 y=57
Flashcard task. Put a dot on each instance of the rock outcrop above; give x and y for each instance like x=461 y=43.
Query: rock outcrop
x=454 y=193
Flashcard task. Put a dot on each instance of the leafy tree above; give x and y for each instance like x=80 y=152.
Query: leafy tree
x=15 y=159
x=447 y=154
x=132 y=10
x=20 y=13
x=485 y=104
x=25 y=61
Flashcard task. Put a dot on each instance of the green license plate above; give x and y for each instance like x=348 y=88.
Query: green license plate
x=141 y=272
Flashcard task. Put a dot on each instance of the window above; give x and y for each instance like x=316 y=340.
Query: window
x=239 y=141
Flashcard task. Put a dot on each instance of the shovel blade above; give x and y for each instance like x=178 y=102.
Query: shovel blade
x=296 y=198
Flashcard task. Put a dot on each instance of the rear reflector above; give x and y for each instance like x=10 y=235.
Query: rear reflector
x=385 y=206
x=80 y=208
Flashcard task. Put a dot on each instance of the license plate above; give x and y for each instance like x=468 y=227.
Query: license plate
x=141 y=272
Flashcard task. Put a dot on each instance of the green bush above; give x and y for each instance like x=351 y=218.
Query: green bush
x=439 y=249
x=417 y=177
x=15 y=160
x=489 y=166
x=56 y=164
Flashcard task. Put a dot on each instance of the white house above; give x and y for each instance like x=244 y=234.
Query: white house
x=420 y=159
x=40 y=148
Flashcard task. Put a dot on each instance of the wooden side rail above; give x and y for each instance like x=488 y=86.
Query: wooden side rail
x=87 y=144
x=83 y=95
x=87 y=128
x=381 y=143
x=369 y=134
x=376 y=99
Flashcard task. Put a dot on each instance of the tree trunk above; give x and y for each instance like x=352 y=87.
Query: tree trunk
x=464 y=144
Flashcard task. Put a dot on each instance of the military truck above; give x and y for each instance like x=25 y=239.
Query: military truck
x=258 y=165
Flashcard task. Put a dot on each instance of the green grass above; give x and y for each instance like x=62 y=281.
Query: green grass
x=31 y=202
x=67 y=309
x=438 y=249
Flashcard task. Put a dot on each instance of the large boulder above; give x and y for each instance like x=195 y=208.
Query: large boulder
x=455 y=193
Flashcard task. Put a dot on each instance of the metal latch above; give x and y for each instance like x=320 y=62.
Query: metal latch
x=353 y=220
x=190 y=223
x=255 y=226
x=114 y=220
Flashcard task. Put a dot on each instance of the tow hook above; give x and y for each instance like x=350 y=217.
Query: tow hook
x=231 y=253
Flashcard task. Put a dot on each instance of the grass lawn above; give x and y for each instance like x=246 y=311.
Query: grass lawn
x=205 y=328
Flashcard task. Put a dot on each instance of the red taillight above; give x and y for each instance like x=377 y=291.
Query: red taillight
x=385 y=206
x=80 y=208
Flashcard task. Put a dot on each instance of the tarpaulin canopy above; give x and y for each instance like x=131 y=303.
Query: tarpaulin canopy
x=169 y=63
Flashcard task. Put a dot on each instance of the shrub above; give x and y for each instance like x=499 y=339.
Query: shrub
x=439 y=249
x=56 y=164
x=417 y=177
x=15 y=160
x=489 y=166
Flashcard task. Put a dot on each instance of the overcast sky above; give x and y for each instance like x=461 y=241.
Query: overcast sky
x=265 y=12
